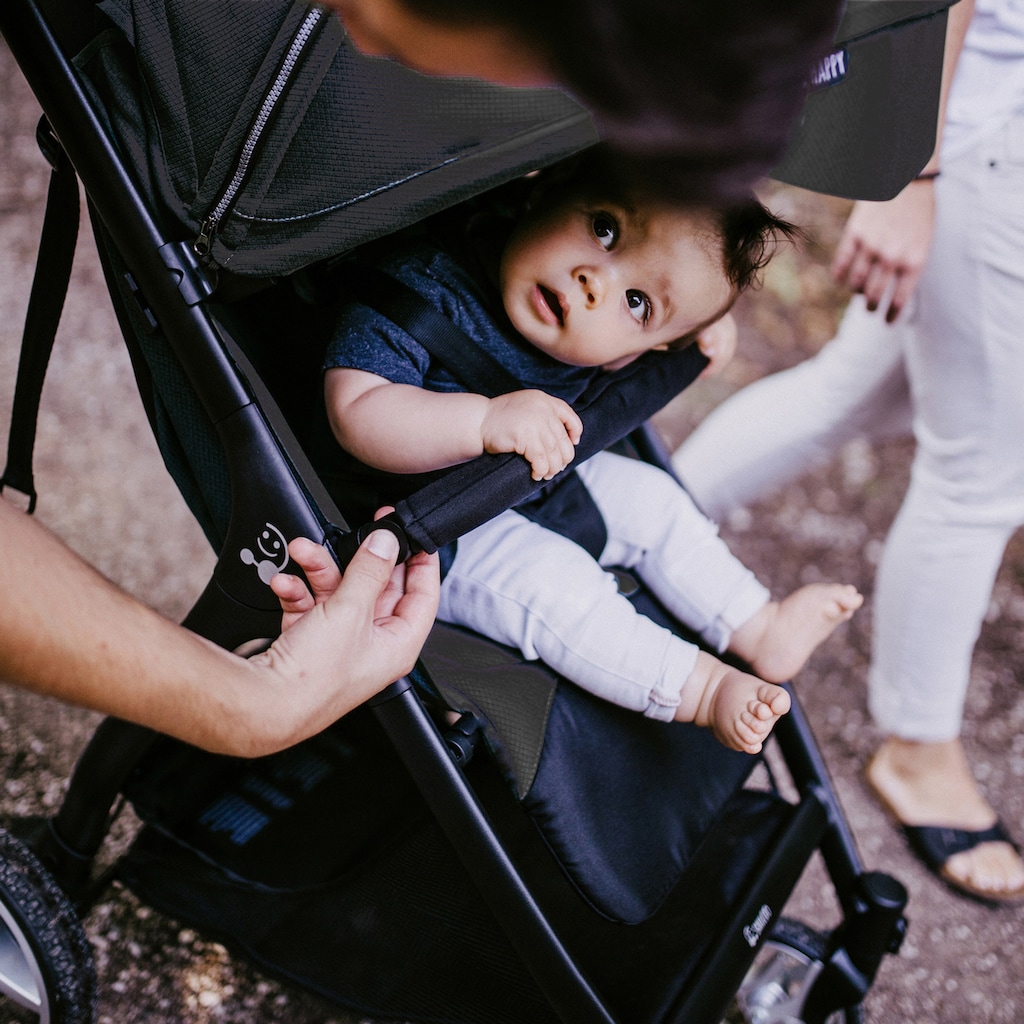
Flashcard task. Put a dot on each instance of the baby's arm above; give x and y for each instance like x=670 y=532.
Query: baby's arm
x=406 y=429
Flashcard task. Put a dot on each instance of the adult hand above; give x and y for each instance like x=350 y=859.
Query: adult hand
x=884 y=247
x=353 y=633
x=71 y=634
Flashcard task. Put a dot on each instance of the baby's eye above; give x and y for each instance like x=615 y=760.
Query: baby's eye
x=639 y=305
x=606 y=230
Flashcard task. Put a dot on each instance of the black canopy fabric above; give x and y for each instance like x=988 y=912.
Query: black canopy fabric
x=349 y=150
x=870 y=121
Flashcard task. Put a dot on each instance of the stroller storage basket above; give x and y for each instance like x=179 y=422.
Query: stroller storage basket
x=397 y=864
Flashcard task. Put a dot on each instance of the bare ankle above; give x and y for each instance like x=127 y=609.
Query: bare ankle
x=698 y=690
x=930 y=782
x=746 y=641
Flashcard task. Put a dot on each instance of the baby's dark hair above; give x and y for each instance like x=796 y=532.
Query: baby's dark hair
x=750 y=235
x=748 y=231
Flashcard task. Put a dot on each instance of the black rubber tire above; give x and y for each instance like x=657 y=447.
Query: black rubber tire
x=804 y=944
x=47 y=921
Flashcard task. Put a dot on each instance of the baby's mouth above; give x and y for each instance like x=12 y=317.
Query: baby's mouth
x=553 y=302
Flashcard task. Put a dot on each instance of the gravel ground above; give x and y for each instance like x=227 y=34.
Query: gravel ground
x=103 y=489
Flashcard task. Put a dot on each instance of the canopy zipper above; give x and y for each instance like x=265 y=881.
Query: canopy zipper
x=204 y=241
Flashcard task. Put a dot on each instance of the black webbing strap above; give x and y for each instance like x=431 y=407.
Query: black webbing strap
x=46 y=301
x=474 y=367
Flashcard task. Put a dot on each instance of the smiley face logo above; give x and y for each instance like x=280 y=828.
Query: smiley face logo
x=271 y=555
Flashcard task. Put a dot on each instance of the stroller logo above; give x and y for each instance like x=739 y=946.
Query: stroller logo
x=271 y=554
x=753 y=932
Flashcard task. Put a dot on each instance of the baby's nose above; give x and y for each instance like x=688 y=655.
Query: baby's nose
x=590 y=283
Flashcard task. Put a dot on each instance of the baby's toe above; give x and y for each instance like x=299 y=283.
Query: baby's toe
x=757 y=719
x=748 y=738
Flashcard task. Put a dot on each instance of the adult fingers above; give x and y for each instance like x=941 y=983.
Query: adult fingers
x=846 y=253
x=859 y=269
x=879 y=279
x=905 y=285
x=294 y=596
x=369 y=573
x=319 y=567
x=417 y=605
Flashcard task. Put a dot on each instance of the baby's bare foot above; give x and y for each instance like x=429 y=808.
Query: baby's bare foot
x=780 y=638
x=739 y=709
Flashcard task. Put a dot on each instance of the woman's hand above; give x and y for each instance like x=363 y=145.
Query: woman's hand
x=353 y=633
x=884 y=247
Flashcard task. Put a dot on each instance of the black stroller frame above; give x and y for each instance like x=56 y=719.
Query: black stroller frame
x=533 y=907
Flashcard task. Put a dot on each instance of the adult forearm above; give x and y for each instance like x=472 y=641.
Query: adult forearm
x=960 y=15
x=69 y=633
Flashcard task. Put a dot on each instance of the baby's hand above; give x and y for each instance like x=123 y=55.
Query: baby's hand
x=718 y=343
x=543 y=429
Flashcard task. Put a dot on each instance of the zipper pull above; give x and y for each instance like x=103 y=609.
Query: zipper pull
x=204 y=241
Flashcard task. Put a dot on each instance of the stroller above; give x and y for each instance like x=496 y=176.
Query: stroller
x=503 y=867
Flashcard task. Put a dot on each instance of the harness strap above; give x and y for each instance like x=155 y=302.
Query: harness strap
x=46 y=302
x=474 y=367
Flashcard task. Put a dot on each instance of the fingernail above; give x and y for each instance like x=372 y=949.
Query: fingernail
x=383 y=543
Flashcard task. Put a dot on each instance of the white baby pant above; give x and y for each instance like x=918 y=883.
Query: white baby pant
x=530 y=588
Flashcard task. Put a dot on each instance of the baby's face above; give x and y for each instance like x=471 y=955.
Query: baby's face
x=598 y=284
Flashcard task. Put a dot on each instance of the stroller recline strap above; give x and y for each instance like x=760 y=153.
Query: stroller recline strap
x=46 y=302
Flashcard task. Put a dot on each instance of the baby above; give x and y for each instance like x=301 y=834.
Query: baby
x=588 y=279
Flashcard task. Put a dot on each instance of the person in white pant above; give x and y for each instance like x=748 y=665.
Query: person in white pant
x=952 y=368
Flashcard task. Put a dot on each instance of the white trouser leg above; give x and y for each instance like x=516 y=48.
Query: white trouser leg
x=655 y=529
x=777 y=428
x=965 y=361
x=526 y=586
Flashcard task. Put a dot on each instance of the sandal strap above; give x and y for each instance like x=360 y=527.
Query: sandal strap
x=936 y=844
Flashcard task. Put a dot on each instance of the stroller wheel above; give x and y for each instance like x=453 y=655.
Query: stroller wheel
x=46 y=963
x=774 y=990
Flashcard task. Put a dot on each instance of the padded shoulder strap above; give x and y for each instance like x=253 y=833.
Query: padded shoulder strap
x=473 y=367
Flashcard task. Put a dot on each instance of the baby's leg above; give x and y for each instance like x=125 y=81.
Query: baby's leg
x=779 y=639
x=527 y=587
x=656 y=530
x=739 y=709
